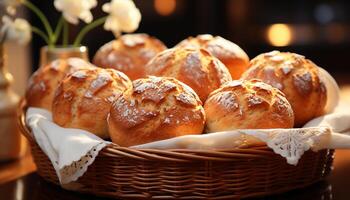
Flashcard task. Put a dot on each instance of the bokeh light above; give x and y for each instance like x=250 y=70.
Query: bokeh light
x=165 y=7
x=279 y=35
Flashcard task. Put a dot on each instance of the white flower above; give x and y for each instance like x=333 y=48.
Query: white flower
x=18 y=30
x=73 y=10
x=10 y=5
x=123 y=16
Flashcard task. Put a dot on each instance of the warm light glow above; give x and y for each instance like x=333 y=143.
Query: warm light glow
x=165 y=7
x=279 y=35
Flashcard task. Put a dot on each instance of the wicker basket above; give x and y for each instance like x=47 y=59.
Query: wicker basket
x=125 y=173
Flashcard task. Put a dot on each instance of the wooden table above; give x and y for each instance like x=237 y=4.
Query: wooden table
x=15 y=169
x=18 y=180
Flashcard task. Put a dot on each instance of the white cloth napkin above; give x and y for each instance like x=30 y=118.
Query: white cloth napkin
x=289 y=143
x=70 y=151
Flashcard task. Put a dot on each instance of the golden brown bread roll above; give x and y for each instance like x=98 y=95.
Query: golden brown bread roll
x=247 y=105
x=297 y=77
x=44 y=81
x=157 y=108
x=129 y=54
x=84 y=98
x=235 y=59
x=196 y=68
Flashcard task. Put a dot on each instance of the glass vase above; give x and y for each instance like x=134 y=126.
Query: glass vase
x=49 y=54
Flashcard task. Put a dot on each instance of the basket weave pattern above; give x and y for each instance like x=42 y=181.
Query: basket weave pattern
x=120 y=172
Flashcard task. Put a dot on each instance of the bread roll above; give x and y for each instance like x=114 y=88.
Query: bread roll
x=235 y=59
x=297 y=77
x=43 y=83
x=129 y=54
x=247 y=105
x=196 y=68
x=84 y=98
x=157 y=108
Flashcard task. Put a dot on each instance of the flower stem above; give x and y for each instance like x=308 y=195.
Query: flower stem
x=40 y=33
x=58 y=30
x=87 y=29
x=65 y=33
x=42 y=17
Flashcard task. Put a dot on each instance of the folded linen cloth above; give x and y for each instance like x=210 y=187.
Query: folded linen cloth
x=289 y=143
x=70 y=151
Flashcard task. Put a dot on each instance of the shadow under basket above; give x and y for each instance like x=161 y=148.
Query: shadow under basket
x=126 y=173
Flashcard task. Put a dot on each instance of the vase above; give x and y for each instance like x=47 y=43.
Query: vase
x=12 y=145
x=48 y=54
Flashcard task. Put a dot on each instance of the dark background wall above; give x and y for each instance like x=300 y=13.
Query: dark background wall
x=320 y=28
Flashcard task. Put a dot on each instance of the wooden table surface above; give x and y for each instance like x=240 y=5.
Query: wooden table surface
x=14 y=169
x=18 y=180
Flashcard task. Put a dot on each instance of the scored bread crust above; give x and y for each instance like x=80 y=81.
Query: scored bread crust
x=196 y=68
x=43 y=83
x=84 y=98
x=247 y=105
x=230 y=54
x=297 y=77
x=129 y=54
x=156 y=108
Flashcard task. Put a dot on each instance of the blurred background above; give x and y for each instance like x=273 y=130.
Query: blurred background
x=318 y=29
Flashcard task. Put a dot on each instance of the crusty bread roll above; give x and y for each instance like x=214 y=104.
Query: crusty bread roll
x=195 y=67
x=129 y=54
x=44 y=81
x=84 y=98
x=235 y=59
x=157 y=108
x=297 y=77
x=247 y=105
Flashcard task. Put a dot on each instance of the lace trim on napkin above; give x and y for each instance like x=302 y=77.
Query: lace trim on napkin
x=75 y=170
x=292 y=143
